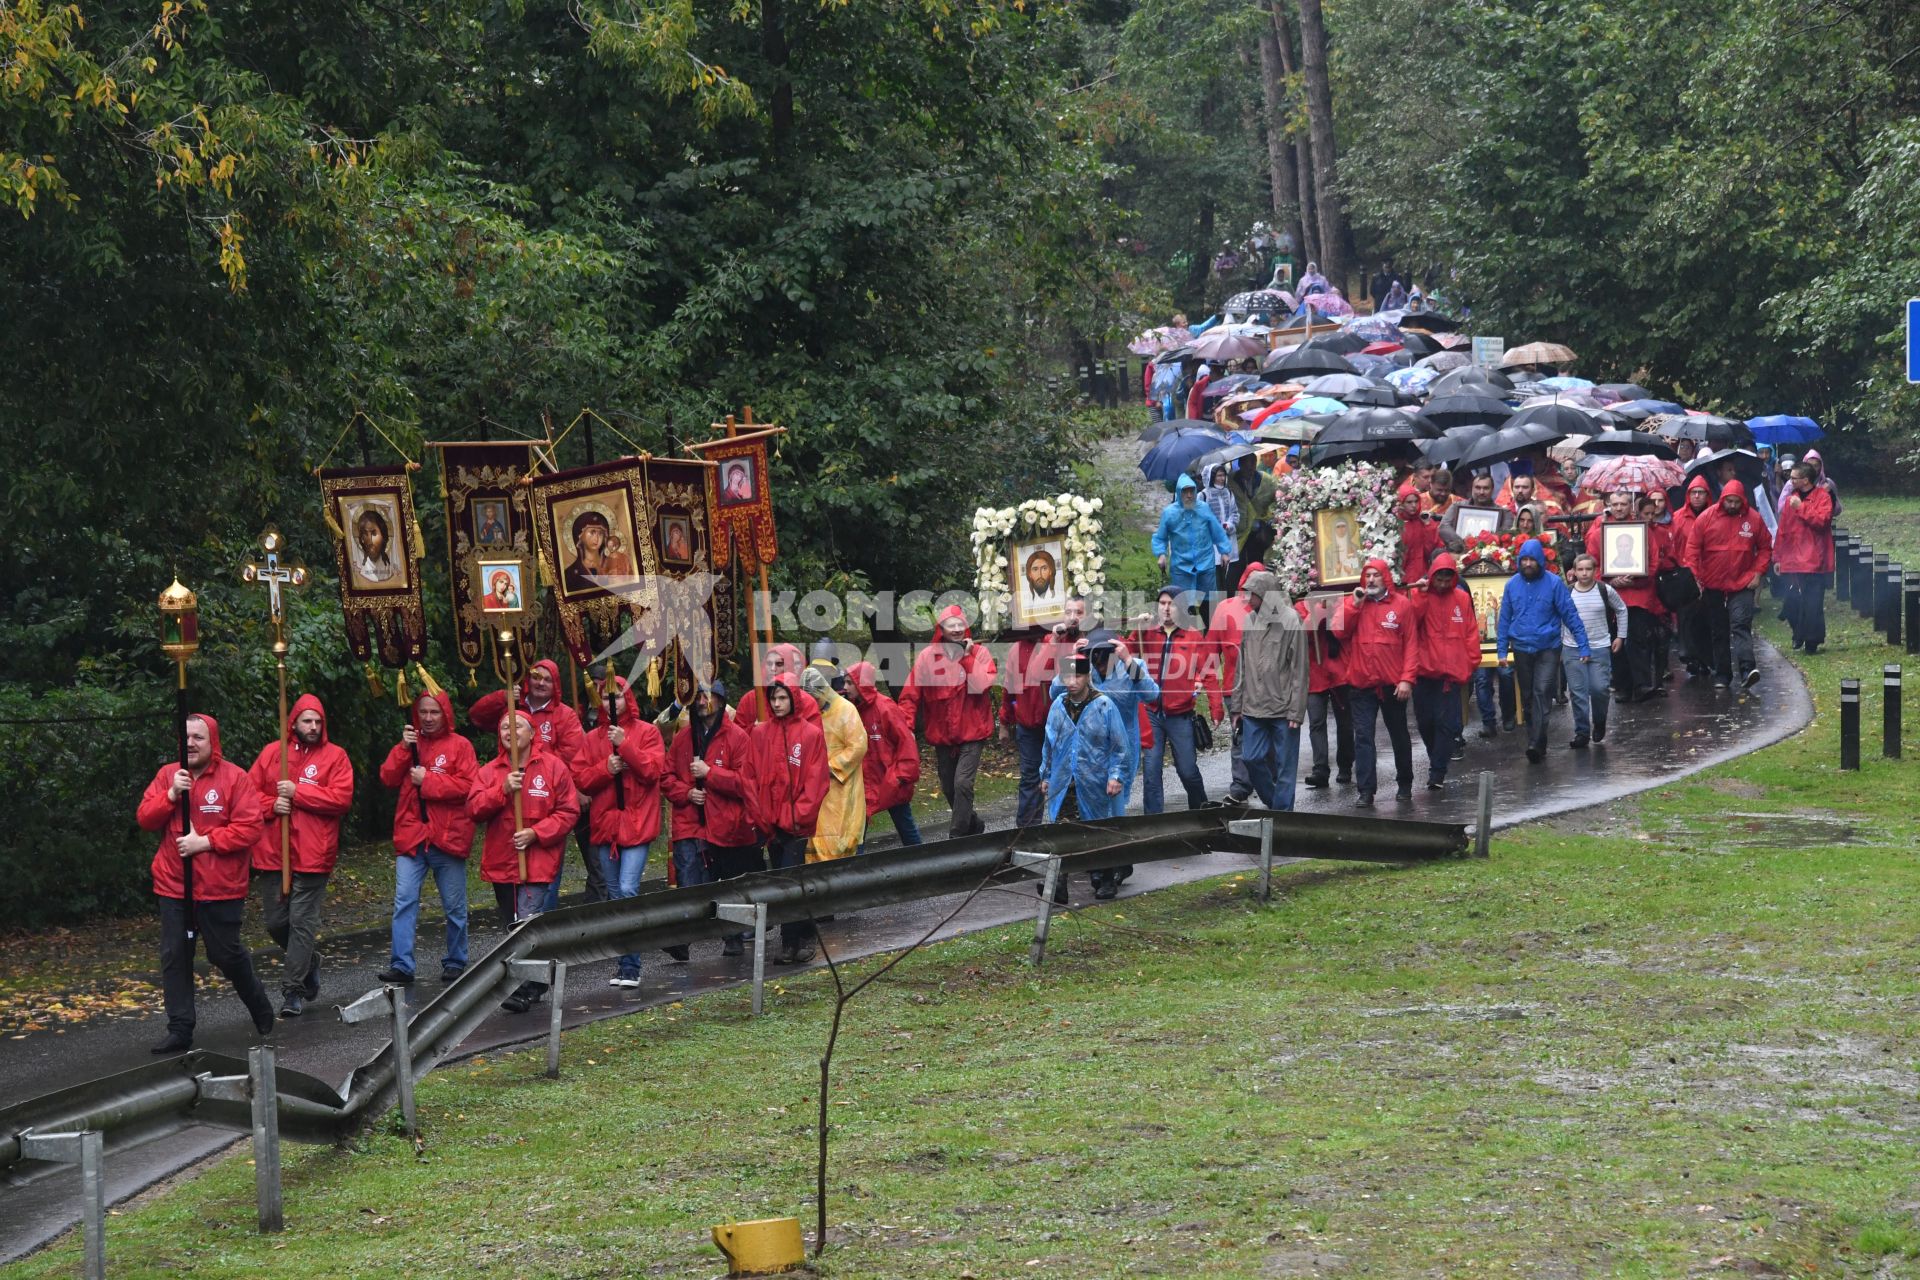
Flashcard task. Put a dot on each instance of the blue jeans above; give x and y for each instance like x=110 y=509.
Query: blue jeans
x=1587 y=685
x=1483 y=686
x=689 y=863
x=1032 y=805
x=621 y=870
x=902 y=815
x=1272 y=752
x=450 y=878
x=1175 y=733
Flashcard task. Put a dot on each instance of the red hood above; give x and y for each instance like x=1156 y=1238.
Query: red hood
x=1386 y=570
x=446 y=715
x=553 y=673
x=1733 y=489
x=629 y=713
x=953 y=611
x=301 y=705
x=862 y=676
x=791 y=652
x=1248 y=572
x=791 y=683
x=500 y=745
x=213 y=737
x=1440 y=564
x=1700 y=482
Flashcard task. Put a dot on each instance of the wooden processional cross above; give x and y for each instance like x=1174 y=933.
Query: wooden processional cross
x=275 y=575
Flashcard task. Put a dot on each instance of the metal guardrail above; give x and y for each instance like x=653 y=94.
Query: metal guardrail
x=201 y=1088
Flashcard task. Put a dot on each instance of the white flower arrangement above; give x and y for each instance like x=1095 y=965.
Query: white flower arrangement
x=1075 y=518
x=1364 y=486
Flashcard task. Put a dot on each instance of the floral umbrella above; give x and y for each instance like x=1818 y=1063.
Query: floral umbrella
x=1165 y=338
x=1238 y=342
x=1633 y=473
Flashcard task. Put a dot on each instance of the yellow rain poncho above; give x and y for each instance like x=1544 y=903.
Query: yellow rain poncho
x=842 y=824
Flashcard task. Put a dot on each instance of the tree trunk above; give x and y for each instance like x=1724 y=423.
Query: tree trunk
x=773 y=47
x=1335 y=238
x=1302 y=150
x=1285 y=187
x=1202 y=263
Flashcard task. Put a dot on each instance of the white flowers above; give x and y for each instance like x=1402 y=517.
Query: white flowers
x=1362 y=486
x=1068 y=515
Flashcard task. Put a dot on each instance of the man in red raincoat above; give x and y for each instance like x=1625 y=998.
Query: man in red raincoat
x=787 y=757
x=557 y=727
x=619 y=779
x=711 y=793
x=549 y=806
x=952 y=681
x=892 y=763
x=1803 y=554
x=1728 y=549
x=433 y=767
x=1635 y=676
x=1377 y=626
x=1446 y=654
x=224 y=819
x=1694 y=638
x=1224 y=632
x=316 y=795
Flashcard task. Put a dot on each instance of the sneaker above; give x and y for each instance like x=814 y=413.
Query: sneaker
x=449 y=972
x=521 y=1000
x=1436 y=784
x=624 y=980
x=1507 y=726
x=732 y=947
x=787 y=954
x=394 y=977
x=1488 y=731
x=1404 y=795
x=1752 y=678
x=804 y=952
x=293 y=1006
x=1458 y=753
x=1718 y=683
x=679 y=953
x=1578 y=744
x=1105 y=890
x=177 y=1043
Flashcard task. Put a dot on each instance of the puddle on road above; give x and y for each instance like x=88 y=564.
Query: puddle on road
x=1780 y=831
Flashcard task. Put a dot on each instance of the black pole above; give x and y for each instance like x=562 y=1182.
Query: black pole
x=419 y=792
x=1849 y=724
x=1892 y=586
x=1863 y=581
x=1890 y=710
x=1879 y=574
x=1842 y=566
x=186 y=797
x=1913 y=613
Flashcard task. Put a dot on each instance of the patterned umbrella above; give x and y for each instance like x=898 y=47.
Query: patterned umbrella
x=1165 y=338
x=1634 y=473
x=1237 y=342
x=1549 y=353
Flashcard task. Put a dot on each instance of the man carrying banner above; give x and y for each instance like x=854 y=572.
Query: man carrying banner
x=434 y=768
x=307 y=807
x=526 y=798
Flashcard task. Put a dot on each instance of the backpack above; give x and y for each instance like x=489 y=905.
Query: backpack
x=1676 y=587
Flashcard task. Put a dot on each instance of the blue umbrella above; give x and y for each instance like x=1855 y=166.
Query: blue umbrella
x=1179 y=449
x=1567 y=384
x=1777 y=429
x=1311 y=404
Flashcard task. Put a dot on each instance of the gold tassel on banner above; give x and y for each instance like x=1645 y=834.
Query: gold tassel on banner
x=427 y=682
x=473 y=677
x=333 y=526
x=419 y=543
x=400 y=697
x=653 y=679
x=375 y=685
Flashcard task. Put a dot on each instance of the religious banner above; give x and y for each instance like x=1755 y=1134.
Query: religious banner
x=595 y=533
x=377 y=549
x=487 y=518
x=741 y=498
x=693 y=624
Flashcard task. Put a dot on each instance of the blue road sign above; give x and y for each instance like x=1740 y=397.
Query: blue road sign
x=1913 y=339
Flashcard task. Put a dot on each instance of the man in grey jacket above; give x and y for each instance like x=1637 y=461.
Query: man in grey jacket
x=1481 y=495
x=1272 y=691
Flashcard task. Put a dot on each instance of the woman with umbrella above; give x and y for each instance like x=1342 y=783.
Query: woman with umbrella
x=1190 y=543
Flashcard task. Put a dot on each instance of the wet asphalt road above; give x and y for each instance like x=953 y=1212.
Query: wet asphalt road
x=1648 y=745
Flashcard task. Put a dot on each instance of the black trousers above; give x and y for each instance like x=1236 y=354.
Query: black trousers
x=1807 y=607
x=1537 y=675
x=1633 y=667
x=218 y=924
x=785 y=851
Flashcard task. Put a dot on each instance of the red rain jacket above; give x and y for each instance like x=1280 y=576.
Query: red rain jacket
x=788 y=764
x=1447 y=640
x=451 y=765
x=549 y=804
x=322 y=778
x=1380 y=637
x=1806 y=533
x=725 y=819
x=556 y=726
x=1728 y=552
x=1326 y=656
x=954 y=692
x=1223 y=635
x=223 y=806
x=892 y=763
x=1419 y=541
x=637 y=821
x=751 y=709
x=1643 y=594
x=1031 y=666
x=1178 y=662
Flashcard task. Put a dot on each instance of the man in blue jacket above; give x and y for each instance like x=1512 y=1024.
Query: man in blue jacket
x=1190 y=541
x=1533 y=608
x=1084 y=769
x=1125 y=681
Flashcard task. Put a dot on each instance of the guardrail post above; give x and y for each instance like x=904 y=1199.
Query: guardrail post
x=1842 y=583
x=1043 y=920
x=87 y=1149
x=1266 y=859
x=1863 y=580
x=1890 y=709
x=755 y=914
x=554 y=974
x=263 y=1089
x=1850 y=724
x=1892 y=585
x=403 y=1059
x=1483 y=821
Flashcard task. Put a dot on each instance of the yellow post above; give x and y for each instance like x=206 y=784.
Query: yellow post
x=764 y=1247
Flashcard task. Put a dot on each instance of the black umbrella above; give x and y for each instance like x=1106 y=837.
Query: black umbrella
x=1626 y=390
x=1454 y=445
x=1380 y=434
x=1220 y=457
x=1563 y=419
x=1174 y=355
x=1638 y=443
x=1511 y=441
x=1345 y=343
x=1747 y=469
x=1472 y=380
x=1713 y=431
x=1308 y=361
x=1384 y=397
x=1419 y=344
x=1431 y=321
x=1464 y=407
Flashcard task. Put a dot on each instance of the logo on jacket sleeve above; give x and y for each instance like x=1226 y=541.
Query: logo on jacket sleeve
x=539 y=787
x=212 y=796
x=1391 y=622
x=793 y=755
x=440 y=762
x=313 y=771
x=546 y=731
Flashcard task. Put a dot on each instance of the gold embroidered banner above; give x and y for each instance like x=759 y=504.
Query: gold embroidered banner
x=487 y=516
x=594 y=529
x=377 y=550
